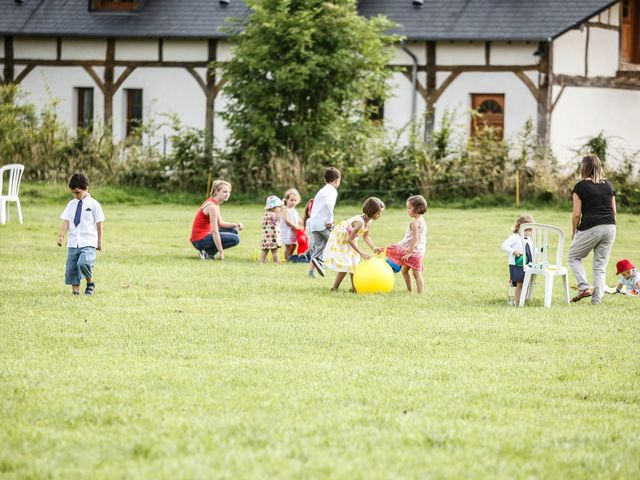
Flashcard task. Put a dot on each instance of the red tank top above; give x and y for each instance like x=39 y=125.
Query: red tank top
x=201 y=224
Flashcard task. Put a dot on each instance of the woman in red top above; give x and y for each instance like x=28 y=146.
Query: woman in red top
x=210 y=234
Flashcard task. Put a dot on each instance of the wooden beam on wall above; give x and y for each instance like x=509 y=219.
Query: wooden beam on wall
x=210 y=93
x=586 y=53
x=103 y=63
x=108 y=86
x=544 y=92
x=528 y=82
x=21 y=76
x=8 y=60
x=430 y=114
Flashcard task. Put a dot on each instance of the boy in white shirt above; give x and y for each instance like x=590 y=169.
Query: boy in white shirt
x=321 y=218
x=83 y=219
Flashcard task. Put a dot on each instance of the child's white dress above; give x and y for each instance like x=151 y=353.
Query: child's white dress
x=338 y=254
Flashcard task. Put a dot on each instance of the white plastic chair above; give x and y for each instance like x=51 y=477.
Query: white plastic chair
x=542 y=237
x=15 y=175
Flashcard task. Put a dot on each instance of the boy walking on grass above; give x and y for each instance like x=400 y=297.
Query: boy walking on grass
x=321 y=219
x=83 y=219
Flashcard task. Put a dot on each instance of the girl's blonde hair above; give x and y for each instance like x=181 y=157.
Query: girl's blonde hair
x=526 y=218
x=371 y=206
x=290 y=193
x=592 y=168
x=217 y=185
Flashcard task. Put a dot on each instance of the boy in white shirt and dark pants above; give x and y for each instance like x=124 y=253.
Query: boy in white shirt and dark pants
x=321 y=218
x=83 y=219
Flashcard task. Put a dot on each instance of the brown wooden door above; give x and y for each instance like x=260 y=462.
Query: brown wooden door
x=630 y=31
x=490 y=112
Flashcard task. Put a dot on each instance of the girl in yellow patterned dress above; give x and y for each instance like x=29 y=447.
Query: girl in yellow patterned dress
x=342 y=253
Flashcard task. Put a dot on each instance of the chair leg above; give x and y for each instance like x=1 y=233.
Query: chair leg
x=548 y=290
x=532 y=287
x=525 y=287
x=3 y=212
x=19 y=211
x=566 y=288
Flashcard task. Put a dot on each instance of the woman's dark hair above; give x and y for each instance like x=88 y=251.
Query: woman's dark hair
x=371 y=206
x=79 y=180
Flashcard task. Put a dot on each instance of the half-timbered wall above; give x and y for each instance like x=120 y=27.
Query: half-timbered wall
x=520 y=104
x=586 y=66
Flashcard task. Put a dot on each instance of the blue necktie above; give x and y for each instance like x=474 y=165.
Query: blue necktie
x=76 y=218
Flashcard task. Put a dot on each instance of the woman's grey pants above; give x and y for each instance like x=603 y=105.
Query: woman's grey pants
x=600 y=239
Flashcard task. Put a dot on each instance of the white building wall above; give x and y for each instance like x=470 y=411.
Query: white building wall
x=137 y=50
x=185 y=50
x=519 y=103
x=34 y=48
x=165 y=91
x=513 y=53
x=604 y=50
x=585 y=112
x=460 y=53
x=55 y=85
x=569 y=52
x=83 y=49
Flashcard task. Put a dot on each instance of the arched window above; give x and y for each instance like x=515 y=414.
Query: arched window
x=489 y=110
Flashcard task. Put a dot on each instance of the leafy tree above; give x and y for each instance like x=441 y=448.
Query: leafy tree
x=299 y=79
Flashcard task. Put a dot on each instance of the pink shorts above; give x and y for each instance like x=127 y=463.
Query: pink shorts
x=395 y=254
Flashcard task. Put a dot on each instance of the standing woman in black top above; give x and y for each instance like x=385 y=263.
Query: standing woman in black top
x=594 y=227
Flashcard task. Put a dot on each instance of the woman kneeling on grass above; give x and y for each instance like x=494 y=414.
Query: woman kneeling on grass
x=210 y=234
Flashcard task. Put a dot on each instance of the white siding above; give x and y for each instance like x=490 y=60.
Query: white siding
x=136 y=50
x=164 y=91
x=584 y=112
x=84 y=49
x=397 y=109
x=603 y=52
x=1 y=47
x=400 y=57
x=460 y=53
x=45 y=85
x=185 y=50
x=35 y=48
x=568 y=53
x=516 y=53
x=224 y=51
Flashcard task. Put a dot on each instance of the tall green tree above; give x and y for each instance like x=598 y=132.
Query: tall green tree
x=299 y=79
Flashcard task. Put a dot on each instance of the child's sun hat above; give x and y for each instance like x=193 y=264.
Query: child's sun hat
x=623 y=265
x=273 y=202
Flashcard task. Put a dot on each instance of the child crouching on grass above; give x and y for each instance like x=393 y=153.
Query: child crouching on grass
x=519 y=254
x=83 y=219
x=409 y=251
x=629 y=277
x=342 y=253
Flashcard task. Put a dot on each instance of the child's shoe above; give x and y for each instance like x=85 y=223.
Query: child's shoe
x=203 y=255
x=318 y=264
x=75 y=293
x=90 y=288
x=312 y=274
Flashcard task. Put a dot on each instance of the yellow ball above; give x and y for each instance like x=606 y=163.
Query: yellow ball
x=373 y=276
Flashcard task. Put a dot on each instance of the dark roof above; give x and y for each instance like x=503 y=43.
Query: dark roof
x=436 y=20
x=156 y=18
x=537 y=20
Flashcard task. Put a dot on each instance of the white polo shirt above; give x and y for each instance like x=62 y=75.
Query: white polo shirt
x=86 y=233
x=322 y=210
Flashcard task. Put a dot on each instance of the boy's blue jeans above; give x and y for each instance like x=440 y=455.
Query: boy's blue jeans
x=228 y=236
x=80 y=262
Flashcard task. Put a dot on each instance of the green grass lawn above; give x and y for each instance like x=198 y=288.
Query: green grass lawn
x=181 y=368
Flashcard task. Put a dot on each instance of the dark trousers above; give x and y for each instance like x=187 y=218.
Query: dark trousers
x=228 y=236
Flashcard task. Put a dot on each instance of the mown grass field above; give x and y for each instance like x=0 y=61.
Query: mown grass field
x=182 y=368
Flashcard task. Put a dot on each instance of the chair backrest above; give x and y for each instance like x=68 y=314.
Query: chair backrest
x=15 y=175
x=544 y=238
